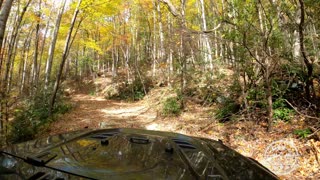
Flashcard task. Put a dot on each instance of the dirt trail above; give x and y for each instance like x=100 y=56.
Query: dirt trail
x=98 y=112
x=94 y=111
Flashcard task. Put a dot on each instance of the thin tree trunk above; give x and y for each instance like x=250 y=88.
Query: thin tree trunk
x=25 y=61
x=36 y=52
x=43 y=43
x=183 y=57
x=269 y=95
x=1 y=1
x=77 y=65
x=11 y=68
x=307 y=62
x=24 y=70
x=154 y=49
x=170 y=58
x=67 y=47
x=207 y=52
x=114 y=60
x=4 y=14
x=53 y=45
x=161 y=51
x=13 y=43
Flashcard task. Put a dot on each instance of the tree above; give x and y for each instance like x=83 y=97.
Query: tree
x=5 y=10
x=53 y=44
x=65 y=54
x=4 y=13
x=307 y=62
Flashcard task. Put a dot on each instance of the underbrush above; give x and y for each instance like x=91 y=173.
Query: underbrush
x=281 y=110
x=130 y=91
x=33 y=117
x=204 y=90
x=227 y=110
x=303 y=133
x=222 y=91
x=172 y=106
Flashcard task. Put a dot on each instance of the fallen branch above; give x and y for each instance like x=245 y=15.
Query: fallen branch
x=300 y=113
x=316 y=151
x=315 y=131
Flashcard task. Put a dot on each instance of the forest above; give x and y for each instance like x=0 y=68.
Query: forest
x=249 y=67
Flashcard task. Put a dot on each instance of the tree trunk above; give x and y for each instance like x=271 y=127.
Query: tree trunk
x=67 y=47
x=36 y=52
x=170 y=56
x=206 y=47
x=43 y=43
x=307 y=62
x=53 y=45
x=13 y=43
x=24 y=69
x=161 y=51
x=154 y=46
x=115 y=59
x=268 y=81
x=4 y=14
x=1 y=1
x=183 y=57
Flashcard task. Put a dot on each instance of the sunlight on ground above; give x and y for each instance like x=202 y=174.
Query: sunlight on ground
x=161 y=127
x=153 y=126
x=88 y=97
x=124 y=111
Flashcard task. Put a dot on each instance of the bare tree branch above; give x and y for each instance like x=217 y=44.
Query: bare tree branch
x=300 y=113
x=171 y=7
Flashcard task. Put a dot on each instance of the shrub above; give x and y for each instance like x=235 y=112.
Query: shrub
x=282 y=113
x=227 y=110
x=22 y=128
x=279 y=103
x=203 y=88
x=34 y=115
x=92 y=93
x=172 y=106
x=256 y=97
x=133 y=91
x=303 y=132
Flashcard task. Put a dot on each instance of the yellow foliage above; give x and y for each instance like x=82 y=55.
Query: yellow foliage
x=91 y=44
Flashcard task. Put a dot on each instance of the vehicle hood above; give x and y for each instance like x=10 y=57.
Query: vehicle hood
x=128 y=154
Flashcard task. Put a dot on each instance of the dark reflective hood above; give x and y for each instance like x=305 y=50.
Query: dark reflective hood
x=127 y=154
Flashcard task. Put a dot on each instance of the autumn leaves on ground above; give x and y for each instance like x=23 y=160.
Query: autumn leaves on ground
x=92 y=110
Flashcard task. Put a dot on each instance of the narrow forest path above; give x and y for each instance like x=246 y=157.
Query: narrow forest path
x=97 y=112
x=94 y=112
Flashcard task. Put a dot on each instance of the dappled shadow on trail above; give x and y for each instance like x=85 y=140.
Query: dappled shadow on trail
x=96 y=112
